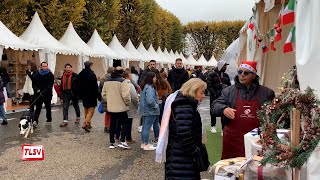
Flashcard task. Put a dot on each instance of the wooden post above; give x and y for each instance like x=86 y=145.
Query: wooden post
x=295 y=135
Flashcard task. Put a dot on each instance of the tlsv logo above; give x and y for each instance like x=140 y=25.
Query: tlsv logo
x=32 y=152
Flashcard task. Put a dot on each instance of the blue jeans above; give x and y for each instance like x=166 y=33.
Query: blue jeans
x=148 y=121
x=3 y=113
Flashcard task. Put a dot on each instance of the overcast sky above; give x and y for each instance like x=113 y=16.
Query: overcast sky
x=208 y=10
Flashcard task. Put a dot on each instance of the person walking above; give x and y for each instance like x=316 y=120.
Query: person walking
x=69 y=92
x=217 y=81
x=239 y=103
x=104 y=103
x=116 y=92
x=44 y=80
x=178 y=75
x=88 y=92
x=133 y=107
x=149 y=109
x=181 y=131
x=32 y=71
x=152 y=65
x=2 y=101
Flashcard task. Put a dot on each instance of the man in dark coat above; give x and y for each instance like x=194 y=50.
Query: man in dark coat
x=152 y=65
x=69 y=92
x=217 y=81
x=178 y=75
x=88 y=92
x=240 y=103
x=44 y=80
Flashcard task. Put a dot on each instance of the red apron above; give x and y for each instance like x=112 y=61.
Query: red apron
x=245 y=120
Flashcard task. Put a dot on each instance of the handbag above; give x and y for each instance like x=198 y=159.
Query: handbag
x=201 y=158
x=100 y=109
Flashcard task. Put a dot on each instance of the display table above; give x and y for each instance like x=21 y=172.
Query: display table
x=252 y=137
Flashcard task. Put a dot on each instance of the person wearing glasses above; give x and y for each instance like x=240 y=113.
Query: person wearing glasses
x=239 y=103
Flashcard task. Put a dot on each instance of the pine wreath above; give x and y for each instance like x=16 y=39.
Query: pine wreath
x=276 y=114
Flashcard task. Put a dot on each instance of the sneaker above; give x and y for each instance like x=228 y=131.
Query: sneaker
x=124 y=145
x=213 y=129
x=64 y=124
x=139 y=129
x=149 y=147
x=85 y=127
x=77 y=120
x=141 y=146
x=154 y=143
x=112 y=146
x=4 y=123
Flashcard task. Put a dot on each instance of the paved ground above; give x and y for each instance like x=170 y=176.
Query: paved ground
x=70 y=153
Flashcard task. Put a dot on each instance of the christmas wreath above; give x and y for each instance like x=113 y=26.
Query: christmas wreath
x=276 y=114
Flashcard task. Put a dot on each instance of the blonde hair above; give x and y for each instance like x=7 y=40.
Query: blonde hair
x=190 y=87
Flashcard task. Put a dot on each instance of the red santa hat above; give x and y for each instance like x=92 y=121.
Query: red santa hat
x=249 y=65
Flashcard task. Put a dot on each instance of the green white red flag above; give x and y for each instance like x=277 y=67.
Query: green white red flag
x=288 y=46
x=288 y=13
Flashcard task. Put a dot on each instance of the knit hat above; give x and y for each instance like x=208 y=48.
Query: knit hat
x=221 y=63
x=249 y=65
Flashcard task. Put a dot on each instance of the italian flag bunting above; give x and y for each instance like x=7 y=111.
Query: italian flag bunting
x=288 y=13
x=288 y=46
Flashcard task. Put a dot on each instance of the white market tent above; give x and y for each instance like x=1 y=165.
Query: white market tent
x=184 y=60
x=72 y=40
x=271 y=65
x=231 y=55
x=10 y=40
x=163 y=57
x=173 y=56
x=139 y=58
x=154 y=55
x=169 y=57
x=38 y=35
x=212 y=61
x=191 y=61
x=116 y=46
x=142 y=50
x=97 y=44
x=177 y=54
x=202 y=61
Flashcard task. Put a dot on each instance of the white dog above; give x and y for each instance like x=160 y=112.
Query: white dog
x=26 y=124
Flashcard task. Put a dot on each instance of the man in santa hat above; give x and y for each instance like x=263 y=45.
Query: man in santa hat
x=239 y=103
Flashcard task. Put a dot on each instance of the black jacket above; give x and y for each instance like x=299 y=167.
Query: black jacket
x=228 y=96
x=216 y=83
x=88 y=88
x=143 y=75
x=74 y=85
x=44 y=83
x=185 y=134
x=177 y=77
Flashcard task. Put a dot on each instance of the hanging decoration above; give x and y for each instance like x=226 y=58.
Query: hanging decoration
x=276 y=114
x=274 y=35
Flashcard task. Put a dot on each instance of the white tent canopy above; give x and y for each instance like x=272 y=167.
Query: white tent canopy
x=202 y=61
x=184 y=60
x=38 y=35
x=212 y=61
x=177 y=54
x=116 y=46
x=162 y=56
x=169 y=57
x=133 y=51
x=154 y=54
x=72 y=40
x=100 y=47
x=142 y=50
x=10 y=40
x=172 y=55
x=191 y=60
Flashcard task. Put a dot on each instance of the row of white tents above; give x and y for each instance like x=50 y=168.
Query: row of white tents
x=72 y=49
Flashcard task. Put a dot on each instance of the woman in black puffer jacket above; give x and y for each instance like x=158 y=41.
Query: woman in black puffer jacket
x=185 y=132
